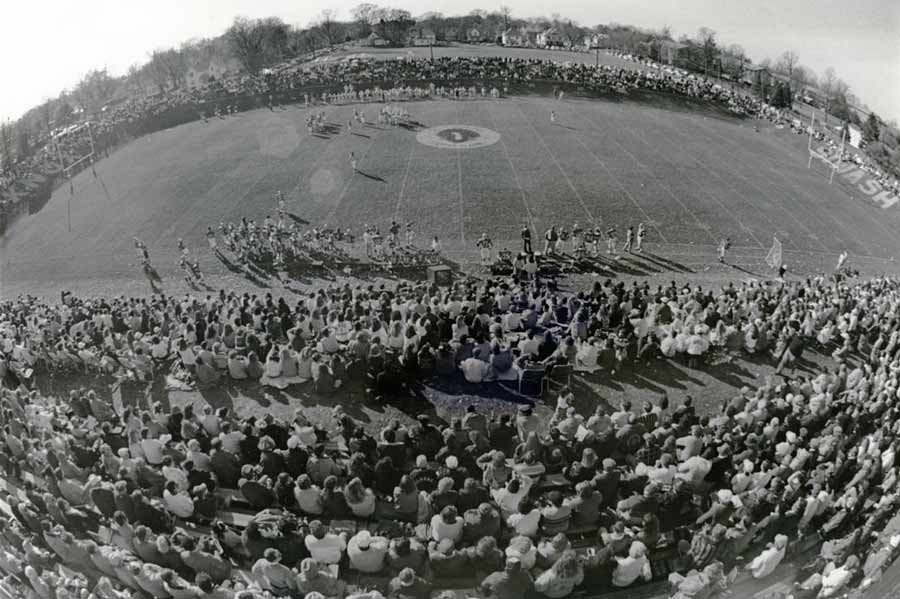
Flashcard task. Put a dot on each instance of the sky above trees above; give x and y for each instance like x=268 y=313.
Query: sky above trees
x=48 y=45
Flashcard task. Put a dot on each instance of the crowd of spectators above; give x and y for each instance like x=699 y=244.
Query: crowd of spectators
x=353 y=79
x=194 y=502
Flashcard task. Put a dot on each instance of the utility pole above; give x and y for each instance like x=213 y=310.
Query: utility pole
x=597 y=62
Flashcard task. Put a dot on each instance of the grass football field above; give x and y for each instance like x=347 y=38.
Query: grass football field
x=693 y=176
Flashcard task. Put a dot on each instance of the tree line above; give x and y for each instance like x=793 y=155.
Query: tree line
x=251 y=45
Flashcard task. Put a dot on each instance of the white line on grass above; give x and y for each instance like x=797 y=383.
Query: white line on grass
x=515 y=173
x=747 y=200
x=347 y=185
x=702 y=226
x=555 y=161
x=690 y=156
x=621 y=186
x=462 y=210
x=409 y=160
x=751 y=183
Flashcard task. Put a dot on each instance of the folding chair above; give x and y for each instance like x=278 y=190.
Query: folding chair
x=560 y=376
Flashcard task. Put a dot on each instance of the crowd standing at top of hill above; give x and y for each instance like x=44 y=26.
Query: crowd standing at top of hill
x=364 y=79
x=517 y=506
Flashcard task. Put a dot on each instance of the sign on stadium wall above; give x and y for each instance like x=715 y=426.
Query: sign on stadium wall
x=864 y=182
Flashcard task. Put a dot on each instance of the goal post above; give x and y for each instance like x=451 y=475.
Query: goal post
x=84 y=151
x=834 y=163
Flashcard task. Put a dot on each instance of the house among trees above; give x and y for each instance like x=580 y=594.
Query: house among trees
x=595 y=40
x=549 y=38
x=522 y=37
x=514 y=36
x=422 y=36
x=375 y=41
x=669 y=51
x=758 y=77
x=473 y=36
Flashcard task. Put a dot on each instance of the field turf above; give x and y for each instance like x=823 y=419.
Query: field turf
x=691 y=175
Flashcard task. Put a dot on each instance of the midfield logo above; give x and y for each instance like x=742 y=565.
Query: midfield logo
x=458 y=137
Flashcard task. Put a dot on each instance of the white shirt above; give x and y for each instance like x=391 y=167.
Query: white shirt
x=178 y=504
x=153 y=451
x=327 y=550
x=370 y=560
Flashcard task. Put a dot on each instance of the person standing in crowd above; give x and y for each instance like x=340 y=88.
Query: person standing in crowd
x=724 y=246
x=485 y=245
x=526 y=238
x=629 y=239
x=641 y=232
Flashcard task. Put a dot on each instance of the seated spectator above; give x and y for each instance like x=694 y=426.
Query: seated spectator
x=766 y=562
x=323 y=546
x=512 y=582
x=447 y=525
x=313 y=579
x=405 y=552
x=562 y=577
x=367 y=553
x=635 y=565
x=271 y=575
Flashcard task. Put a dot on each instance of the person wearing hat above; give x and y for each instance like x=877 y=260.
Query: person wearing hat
x=406 y=585
x=513 y=582
x=367 y=553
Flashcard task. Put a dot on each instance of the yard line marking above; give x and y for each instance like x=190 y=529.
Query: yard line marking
x=703 y=226
x=727 y=180
x=462 y=210
x=622 y=187
x=751 y=183
x=555 y=161
x=515 y=173
x=781 y=207
x=409 y=160
x=743 y=225
x=347 y=185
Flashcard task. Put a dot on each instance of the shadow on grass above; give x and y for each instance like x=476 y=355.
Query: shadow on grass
x=372 y=177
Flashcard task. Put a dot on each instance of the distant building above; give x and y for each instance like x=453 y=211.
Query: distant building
x=473 y=36
x=669 y=51
x=422 y=37
x=375 y=40
x=549 y=38
x=522 y=37
x=595 y=40
x=757 y=76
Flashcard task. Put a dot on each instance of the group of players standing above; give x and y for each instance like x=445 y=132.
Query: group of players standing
x=579 y=242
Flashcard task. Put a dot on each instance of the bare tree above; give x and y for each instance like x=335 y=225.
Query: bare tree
x=330 y=29
x=94 y=90
x=364 y=17
x=135 y=79
x=247 y=41
x=827 y=81
x=505 y=14
x=7 y=159
x=706 y=39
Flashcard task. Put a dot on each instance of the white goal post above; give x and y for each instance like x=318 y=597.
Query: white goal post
x=813 y=153
x=73 y=130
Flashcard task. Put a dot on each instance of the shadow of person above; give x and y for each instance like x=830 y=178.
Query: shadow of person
x=372 y=177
